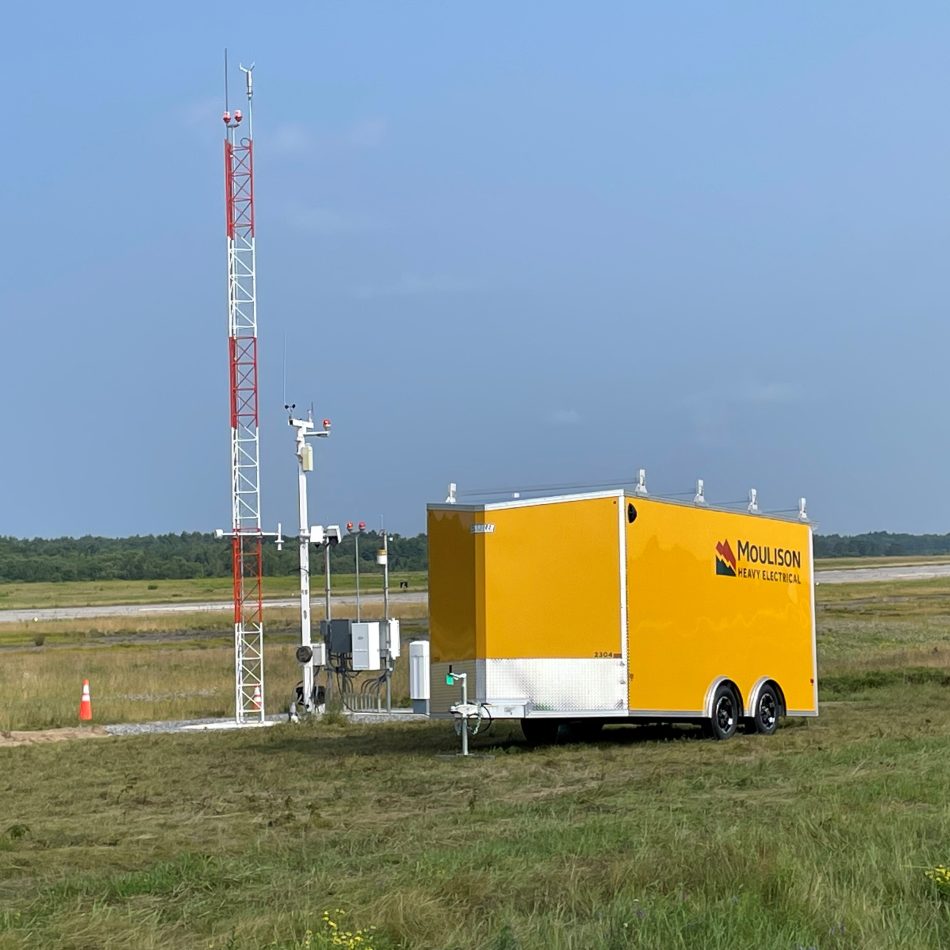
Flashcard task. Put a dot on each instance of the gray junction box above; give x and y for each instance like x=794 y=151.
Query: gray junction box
x=338 y=635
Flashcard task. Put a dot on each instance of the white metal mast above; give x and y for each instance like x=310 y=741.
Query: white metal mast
x=304 y=430
x=246 y=533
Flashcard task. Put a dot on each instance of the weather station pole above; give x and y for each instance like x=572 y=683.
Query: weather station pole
x=327 y=609
x=382 y=557
x=304 y=430
x=356 y=532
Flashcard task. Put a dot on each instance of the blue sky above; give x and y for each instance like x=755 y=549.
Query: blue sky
x=507 y=245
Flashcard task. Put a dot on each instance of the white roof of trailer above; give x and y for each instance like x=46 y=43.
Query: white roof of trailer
x=607 y=493
x=528 y=502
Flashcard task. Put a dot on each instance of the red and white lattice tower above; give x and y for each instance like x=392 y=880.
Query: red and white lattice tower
x=246 y=535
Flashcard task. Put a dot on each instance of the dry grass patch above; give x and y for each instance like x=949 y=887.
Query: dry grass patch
x=146 y=680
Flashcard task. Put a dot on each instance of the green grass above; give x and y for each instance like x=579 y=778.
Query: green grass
x=20 y=596
x=883 y=625
x=816 y=837
x=202 y=628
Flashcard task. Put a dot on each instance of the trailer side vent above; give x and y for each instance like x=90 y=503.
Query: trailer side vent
x=631 y=514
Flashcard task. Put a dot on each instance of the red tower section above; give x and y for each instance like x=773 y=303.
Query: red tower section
x=246 y=533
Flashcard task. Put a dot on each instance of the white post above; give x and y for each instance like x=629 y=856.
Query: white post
x=356 y=530
x=326 y=582
x=304 y=546
x=357 y=577
x=304 y=429
x=382 y=558
x=465 y=718
x=389 y=653
x=385 y=575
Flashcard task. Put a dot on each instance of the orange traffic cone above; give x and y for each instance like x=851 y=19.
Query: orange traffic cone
x=85 y=704
x=256 y=698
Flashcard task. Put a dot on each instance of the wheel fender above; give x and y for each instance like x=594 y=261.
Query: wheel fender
x=711 y=693
x=754 y=694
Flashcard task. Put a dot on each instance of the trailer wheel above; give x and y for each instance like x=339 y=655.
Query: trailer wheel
x=725 y=714
x=540 y=731
x=765 y=718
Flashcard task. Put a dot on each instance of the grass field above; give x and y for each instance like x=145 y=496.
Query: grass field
x=818 y=837
x=96 y=593
x=14 y=596
x=148 y=669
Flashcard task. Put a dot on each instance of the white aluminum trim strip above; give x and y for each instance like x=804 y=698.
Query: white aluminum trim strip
x=814 y=635
x=754 y=694
x=711 y=693
x=606 y=493
x=525 y=502
x=622 y=541
x=550 y=500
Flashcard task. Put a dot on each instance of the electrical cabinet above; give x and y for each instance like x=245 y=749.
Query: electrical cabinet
x=338 y=635
x=366 y=645
x=389 y=630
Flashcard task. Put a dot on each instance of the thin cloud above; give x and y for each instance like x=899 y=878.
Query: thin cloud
x=769 y=393
x=297 y=138
x=564 y=417
x=200 y=113
x=366 y=133
x=326 y=221
x=713 y=414
x=290 y=138
x=412 y=285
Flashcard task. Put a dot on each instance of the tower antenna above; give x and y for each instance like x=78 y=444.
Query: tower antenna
x=246 y=534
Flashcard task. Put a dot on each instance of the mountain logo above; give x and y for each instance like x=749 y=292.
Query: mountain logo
x=725 y=560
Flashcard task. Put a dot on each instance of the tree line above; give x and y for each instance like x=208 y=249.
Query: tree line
x=881 y=544
x=186 y=555
x=198 y=554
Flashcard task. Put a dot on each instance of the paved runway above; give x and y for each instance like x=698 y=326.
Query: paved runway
x=861 y=575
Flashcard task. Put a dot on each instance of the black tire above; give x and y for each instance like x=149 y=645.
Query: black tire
x=764 y=719
x=725 y=714
x=540 y=731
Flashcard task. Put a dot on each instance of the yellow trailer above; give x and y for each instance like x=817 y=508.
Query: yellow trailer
x=610 y=606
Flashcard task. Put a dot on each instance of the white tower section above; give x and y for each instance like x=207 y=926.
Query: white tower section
x=246 y=534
